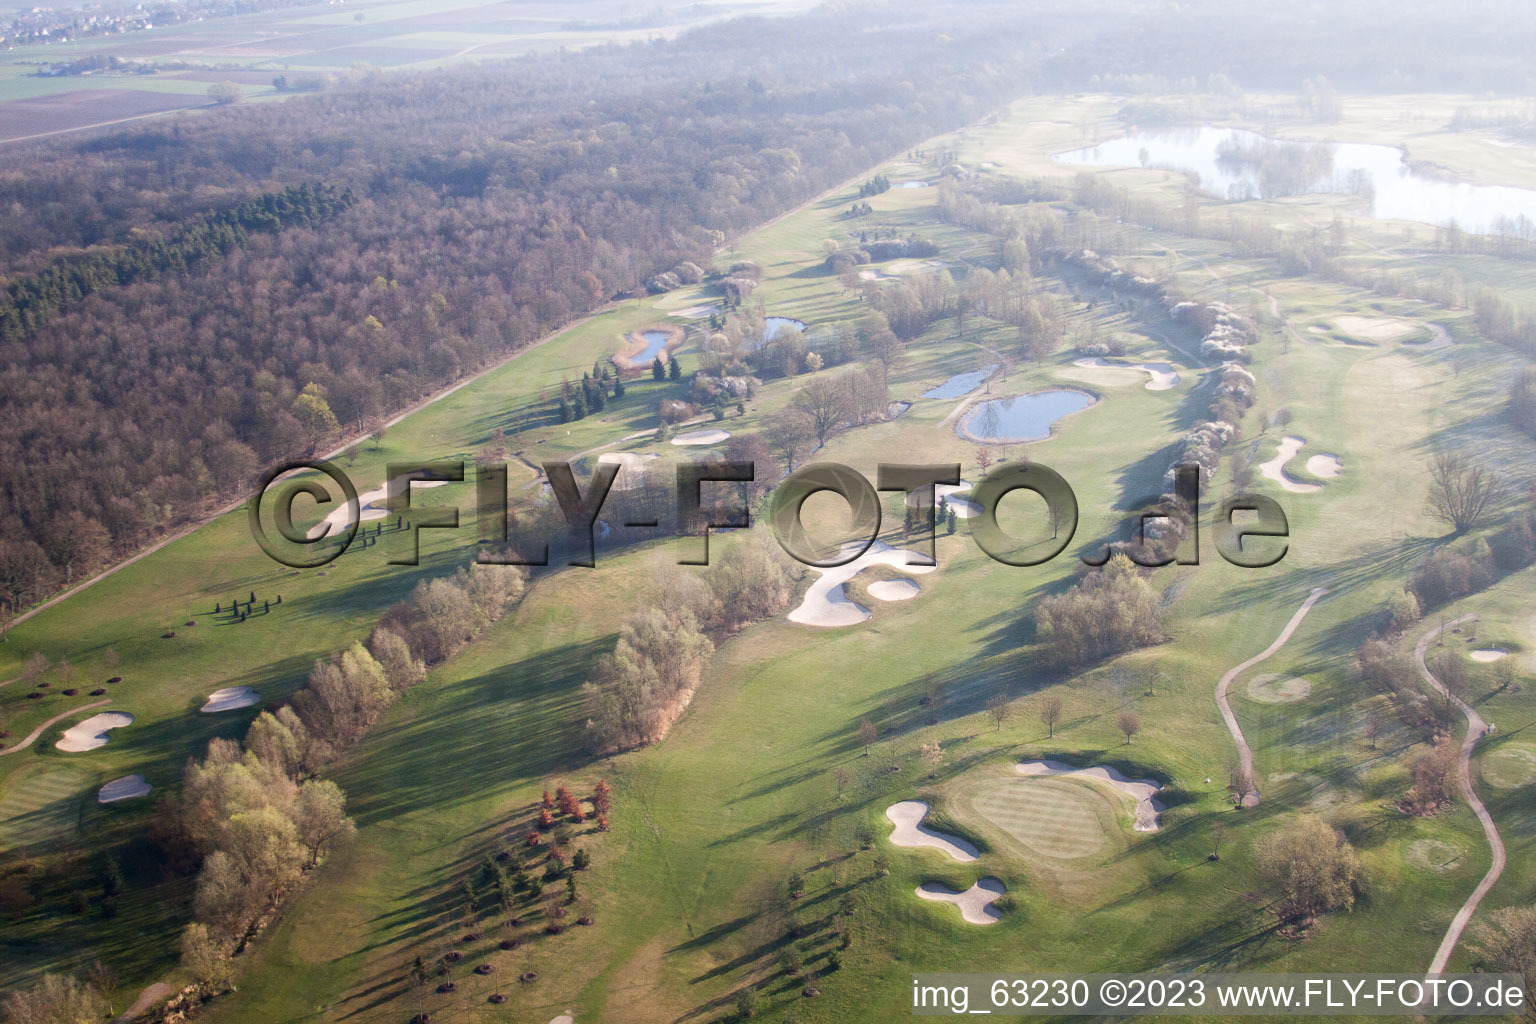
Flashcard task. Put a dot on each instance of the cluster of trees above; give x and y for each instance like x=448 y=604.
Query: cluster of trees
x=1111 y=610
x=639 y=689
x=584 y=175
x=1465 y=495
x=592 y=394
x=1309 y=868
x=256 y=815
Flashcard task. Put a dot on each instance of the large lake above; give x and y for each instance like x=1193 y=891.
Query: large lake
x=1377 y=173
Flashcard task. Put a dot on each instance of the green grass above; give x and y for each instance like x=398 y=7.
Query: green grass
x=688 y=889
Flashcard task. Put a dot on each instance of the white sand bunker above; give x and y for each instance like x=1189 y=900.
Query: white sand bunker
x=92 y=733
x=894 y=590
x=908 y=816
x=975 y=903
x=231 y=698
x=1143 y=791
x=1274 y=469
x=565 y=1018
x=964 y=507
x=1509 y=767
x=1163 y=374
x=702 y=437
x=1375 y=328
x=631 y=468
x=873 y=274
x=1488 y=654
x=126 y=788
x=1272 y=688
x=368 y=509
x=827 y=603
x=1433 y=855
x=1325 y=466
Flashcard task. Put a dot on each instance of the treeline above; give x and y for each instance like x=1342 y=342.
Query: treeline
x=492 y=204
x=255 y=816
x=639 y=689
x=29 y=302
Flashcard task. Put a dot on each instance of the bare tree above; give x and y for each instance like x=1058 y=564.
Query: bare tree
x=1462 y=492
x=789 y=433
x=932 y=754
x=1050 y=713
x=1000 y=708
x=1375 y=725
x=1239 y=781
x=824 y=402
x=1507 y=941
x=1451 y=670
x=1129 y=723
x=867 y=734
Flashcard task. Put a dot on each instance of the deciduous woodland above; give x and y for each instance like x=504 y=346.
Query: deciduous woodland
x=492 y=204
x=524 y=198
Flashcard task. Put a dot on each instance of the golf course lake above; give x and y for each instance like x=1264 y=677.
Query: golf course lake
x=1378 y=173
x=960 y=384
x=1023 y=417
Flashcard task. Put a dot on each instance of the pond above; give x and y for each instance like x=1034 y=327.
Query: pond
x=1021 y=418
x=1240 y=164
x=960 y=384
x=654 y=342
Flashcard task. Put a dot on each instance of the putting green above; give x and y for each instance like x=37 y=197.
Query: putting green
x=1509 y=767
x=41 y=806
x=1277 y=689
x=1053 y=817
x=1433 y=855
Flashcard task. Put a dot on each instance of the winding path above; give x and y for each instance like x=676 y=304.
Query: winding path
x=1251 y=799
x=156 y=993
x=35 y=733
x=1476 y=727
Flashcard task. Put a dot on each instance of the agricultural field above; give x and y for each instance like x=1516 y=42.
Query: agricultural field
x=156 y=70
x=757 y=847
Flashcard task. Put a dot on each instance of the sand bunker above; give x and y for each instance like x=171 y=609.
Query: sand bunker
x=126 y=788
x=1163 y=374
x=92 y=733
x=565 y=1018
x=964 y=507
x=827 y=603
x=908 y=816
x=1272 y=688
x=1433 y=855
x=1143 y=791
x=368 y=508
x=1325 y=466
x=231 y=698
x=876 y=275
x=1375 y=328
x=1274 y=469
x=1509 y=767
x=631 y=468
x=913 y=184
x=894 y=590
x=702 y=437
x=1488 y=654
x=975 y=903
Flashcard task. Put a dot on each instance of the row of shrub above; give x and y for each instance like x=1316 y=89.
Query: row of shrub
x=255 y=816
x=639 y=689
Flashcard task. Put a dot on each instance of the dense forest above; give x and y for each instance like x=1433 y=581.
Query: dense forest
x=161 y=338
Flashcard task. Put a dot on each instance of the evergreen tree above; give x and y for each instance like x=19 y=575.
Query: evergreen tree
x=674 y=369
x=658 y=369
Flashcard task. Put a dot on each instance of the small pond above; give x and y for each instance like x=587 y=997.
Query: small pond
x=654 y=342
x=1021 y=418
x=960 y=384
